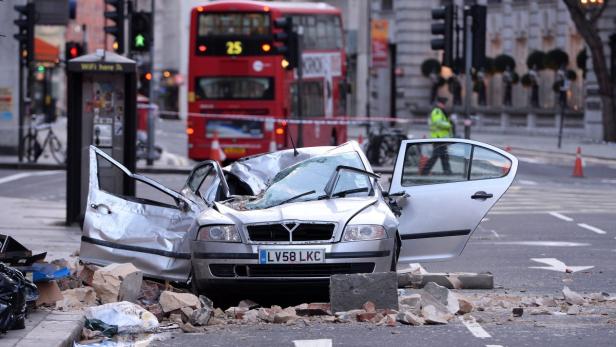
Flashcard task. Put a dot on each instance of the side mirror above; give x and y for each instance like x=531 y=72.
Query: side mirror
x=183 y=206
x=402 y=194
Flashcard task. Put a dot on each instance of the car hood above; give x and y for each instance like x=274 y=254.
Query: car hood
x=331 y=210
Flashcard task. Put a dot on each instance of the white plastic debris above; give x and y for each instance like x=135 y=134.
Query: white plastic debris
x=129 y=318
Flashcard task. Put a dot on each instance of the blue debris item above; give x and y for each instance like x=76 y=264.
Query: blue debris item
x=43 y=272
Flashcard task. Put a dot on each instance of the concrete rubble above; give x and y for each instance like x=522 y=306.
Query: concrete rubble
x=371 y=299
x=172 y=301
x=573 y=298
x=348 y=292
x=117 y=282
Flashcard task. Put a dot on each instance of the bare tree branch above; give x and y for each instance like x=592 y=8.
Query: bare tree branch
x=587 y=28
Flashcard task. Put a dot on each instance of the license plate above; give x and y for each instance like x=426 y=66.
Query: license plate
x=291 y=256
x=234 y=150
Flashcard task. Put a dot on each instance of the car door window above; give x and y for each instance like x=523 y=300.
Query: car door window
x=205 y=182
x=433 y=163
x=488 y=164
x=355 y=183
x=145 y=192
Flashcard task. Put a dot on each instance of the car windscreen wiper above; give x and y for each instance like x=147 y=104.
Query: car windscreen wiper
x=295 y=197
x=344 y=193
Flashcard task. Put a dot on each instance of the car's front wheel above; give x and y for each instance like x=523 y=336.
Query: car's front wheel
x=396 y=250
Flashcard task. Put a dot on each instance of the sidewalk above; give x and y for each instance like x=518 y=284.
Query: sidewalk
x=539 y=144
x=39 y=225
x=168 y=162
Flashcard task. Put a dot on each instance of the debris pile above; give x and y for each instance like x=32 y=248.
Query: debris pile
x=117 y=301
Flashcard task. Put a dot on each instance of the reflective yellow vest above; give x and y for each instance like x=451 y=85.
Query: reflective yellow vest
x=439 y=124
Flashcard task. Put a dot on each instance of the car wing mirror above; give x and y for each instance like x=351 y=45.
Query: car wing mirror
x=183 y=205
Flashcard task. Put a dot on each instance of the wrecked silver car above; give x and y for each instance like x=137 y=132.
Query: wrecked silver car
x=299 y=215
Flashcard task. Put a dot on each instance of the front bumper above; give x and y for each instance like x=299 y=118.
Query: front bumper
x=226 y=263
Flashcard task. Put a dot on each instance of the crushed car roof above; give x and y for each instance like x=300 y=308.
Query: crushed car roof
x=257 y=171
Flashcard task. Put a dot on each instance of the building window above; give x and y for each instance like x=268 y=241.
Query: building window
x=387 y=5
x=313 y=101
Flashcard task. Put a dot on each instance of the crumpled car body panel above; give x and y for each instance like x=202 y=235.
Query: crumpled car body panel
x=156 y=239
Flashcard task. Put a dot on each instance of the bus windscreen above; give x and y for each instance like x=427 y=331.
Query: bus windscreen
x=233 y=24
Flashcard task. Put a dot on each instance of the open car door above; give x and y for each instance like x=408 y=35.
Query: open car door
x=152 y=233
x=451 y=185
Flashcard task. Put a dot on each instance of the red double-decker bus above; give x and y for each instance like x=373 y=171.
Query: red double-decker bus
x=239 y=89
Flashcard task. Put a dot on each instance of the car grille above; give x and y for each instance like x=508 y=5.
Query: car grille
x=300 y=233
x=268 y=232
x=289 y=270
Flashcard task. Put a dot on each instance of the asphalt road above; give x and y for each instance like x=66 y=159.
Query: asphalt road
x=546 y=218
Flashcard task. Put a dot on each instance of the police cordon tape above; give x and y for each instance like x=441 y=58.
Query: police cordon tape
x=335 y=121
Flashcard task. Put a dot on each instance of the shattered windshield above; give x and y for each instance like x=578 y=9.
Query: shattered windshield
x=297 y=182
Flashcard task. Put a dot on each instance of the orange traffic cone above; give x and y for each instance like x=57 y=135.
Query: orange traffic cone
x=578 y=168
x=216 y=153
x=272 y=144
x=360 y=139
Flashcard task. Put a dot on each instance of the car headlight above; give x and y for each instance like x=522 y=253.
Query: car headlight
x=363 y=232
x=225 y=233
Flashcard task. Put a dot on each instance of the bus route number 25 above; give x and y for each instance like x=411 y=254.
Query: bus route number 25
x=234 y=47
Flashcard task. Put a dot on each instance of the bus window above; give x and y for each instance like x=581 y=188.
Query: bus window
x=321 y=32
x=221 y=24
x=234 y=88
x=312 y=99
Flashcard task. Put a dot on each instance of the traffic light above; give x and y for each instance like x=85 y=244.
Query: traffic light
x=72 y=50
x=478 y=13
x=140 y=33
x=288 y=42
x=442 y=28
x=116 y=29
x=25 y=34
x=144 y=83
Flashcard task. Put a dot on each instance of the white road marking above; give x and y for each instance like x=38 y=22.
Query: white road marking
x=495 y=234
x=541 y=243
x=591 y=228
x=19 y=176
x=494 y=345
x=474 y=327
x=485 y=220
x=561 y=216
x=313 y=343
x=557 y=265
x=529 y=160
x=528 y=182
x=609 y=181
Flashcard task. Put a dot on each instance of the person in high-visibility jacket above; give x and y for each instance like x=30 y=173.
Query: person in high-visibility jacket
x=440 y=127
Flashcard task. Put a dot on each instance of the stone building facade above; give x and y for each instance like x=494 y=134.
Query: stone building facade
x=515 y=28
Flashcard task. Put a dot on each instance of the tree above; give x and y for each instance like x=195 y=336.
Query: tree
x=431 y=68
x=580 y=61
x=556 y=59
x=586 y=24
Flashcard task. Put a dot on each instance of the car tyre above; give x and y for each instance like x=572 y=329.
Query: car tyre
x=194 y=287
x=396 y=250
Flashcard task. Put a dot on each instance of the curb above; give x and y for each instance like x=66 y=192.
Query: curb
x=57 y=329
x=48 y=167
x=562 y=153
x=31 y=166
